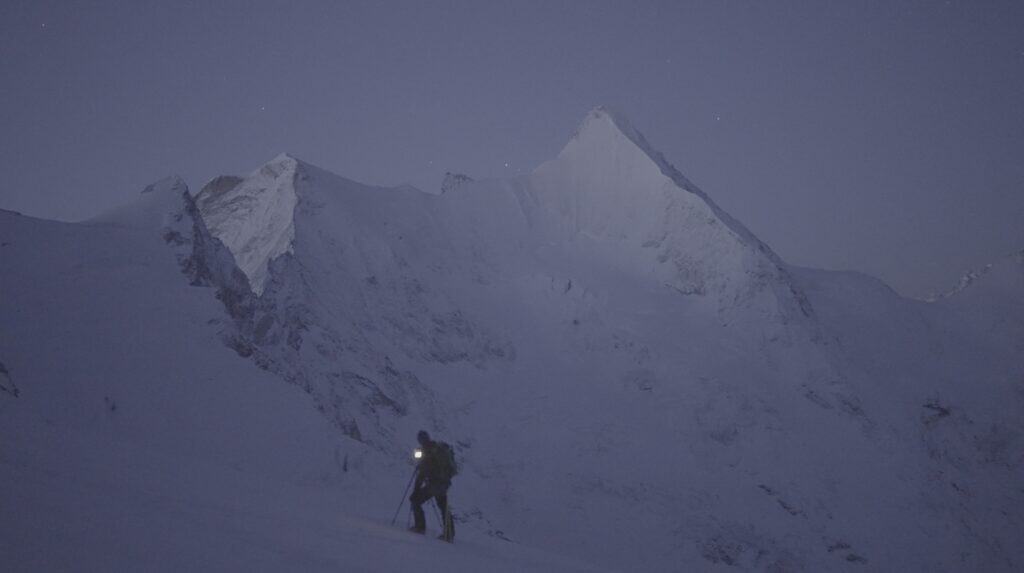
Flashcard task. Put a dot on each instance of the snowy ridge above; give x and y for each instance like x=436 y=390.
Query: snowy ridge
x=253 y=217
x=1005 y=274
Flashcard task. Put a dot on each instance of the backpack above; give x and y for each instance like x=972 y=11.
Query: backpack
x=445 y=464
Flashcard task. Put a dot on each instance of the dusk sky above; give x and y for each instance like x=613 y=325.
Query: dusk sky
x=884 y=137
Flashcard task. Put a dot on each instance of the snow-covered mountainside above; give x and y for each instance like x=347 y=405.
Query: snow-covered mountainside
x=630 y=377
x=136 y=439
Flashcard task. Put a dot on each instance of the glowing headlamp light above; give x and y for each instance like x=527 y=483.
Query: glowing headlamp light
x=417 y=453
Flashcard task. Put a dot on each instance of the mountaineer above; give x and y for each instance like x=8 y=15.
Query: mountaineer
x=434 y=474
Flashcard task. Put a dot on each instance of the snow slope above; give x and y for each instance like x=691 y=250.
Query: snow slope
x=630 y=377
x=140 y=441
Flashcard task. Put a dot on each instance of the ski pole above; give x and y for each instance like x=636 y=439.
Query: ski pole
x=448 y=525
x=445 y=517
x=438 y=515
x=400 y=502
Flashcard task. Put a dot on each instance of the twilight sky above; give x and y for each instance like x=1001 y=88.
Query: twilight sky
x=885 y=137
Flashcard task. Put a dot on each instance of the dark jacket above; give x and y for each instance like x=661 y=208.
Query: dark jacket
x=430 y=471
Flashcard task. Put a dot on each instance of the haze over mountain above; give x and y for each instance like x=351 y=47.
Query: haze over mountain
x=631 y=378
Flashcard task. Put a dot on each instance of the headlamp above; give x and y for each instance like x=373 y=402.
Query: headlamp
x=417 y=453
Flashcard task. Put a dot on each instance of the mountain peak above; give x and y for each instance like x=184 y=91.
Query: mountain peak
x=609 y=153
x=605 y=120
x=284 y=158
x=606 y=137
x=280 y=164
x=606 y=127
x=171 y=183
x=253 y=215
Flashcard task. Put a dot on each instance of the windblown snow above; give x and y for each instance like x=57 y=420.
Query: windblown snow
x=632 y=381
